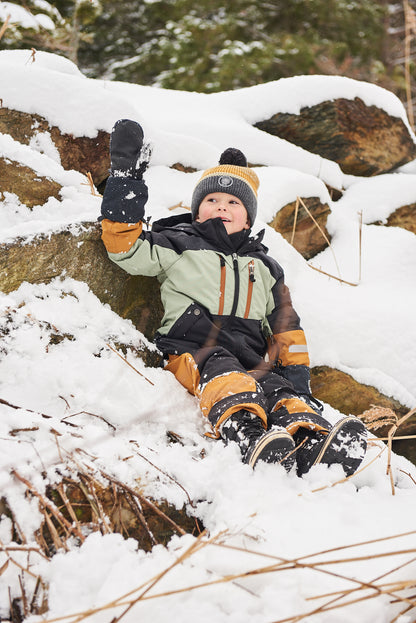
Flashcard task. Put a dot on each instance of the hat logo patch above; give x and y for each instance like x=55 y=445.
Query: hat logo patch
x=225 y=181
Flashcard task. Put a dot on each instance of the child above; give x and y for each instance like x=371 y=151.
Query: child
x=229 y=333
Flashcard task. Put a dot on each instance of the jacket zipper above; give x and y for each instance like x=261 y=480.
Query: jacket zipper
x=251 y=280
x=222 y=286
x=236 y=284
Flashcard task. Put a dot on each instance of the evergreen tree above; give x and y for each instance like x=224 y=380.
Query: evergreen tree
x=209 y=47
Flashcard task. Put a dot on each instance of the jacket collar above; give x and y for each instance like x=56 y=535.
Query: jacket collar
x=214 y=232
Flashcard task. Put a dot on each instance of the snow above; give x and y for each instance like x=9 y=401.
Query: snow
x=79 y=401
x=23 y=17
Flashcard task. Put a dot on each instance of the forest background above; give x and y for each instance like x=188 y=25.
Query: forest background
x=206 y=47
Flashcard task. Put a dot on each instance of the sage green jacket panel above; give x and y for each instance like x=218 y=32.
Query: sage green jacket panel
x=195 y=275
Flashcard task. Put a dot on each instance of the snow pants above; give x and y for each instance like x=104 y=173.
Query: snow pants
x=223 y=387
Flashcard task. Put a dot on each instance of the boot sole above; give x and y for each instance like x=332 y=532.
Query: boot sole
x=350 y=426
x=274 y=447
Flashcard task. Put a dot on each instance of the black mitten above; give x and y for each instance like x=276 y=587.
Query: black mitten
x=129 y=154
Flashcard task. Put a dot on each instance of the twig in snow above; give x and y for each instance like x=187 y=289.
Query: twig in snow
x=129 y=364
x=12 y=406
x=32 y=57
x=410 y=475
x=164 y=473
x=319 y=270
x=92 y=415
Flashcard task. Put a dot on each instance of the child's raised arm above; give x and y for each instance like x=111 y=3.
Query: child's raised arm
x=125 y=194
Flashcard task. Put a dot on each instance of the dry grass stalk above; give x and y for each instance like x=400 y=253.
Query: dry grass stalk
x=319 y=270
x=91 y=185
x=391 y=434
x=390 y=589
x=12 y=406
x=70 y=510
x=24 y=598
x=179 y=205
x=10 y=560
x=32 y=57
x=323 y=272
x=87 y=486
x=137 y=510
x=61 y=520
x=410 y=32
x=37 y=604
x=338 y=482
x=376 y=417
x=58 y=542
x=164 y=473
x=398 y=438
x=295 y=220
x=5 y=25
x=129 y=364
x=194 y=547
x=410 y=476
x=143 y=588
x=92 y=415
x=321 y=231
x=360 y=245
x=50 y=510
x=393 y=586
x=126 y=489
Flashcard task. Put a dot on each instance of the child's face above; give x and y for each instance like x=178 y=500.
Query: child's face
x=229 y=208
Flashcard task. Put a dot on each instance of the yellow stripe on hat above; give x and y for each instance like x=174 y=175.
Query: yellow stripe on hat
x=245 y=174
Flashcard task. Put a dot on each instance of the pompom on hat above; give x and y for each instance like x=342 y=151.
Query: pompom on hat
x=231 y=176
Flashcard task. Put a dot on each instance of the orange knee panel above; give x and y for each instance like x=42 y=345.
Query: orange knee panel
x=227 y=385
x=186 y=371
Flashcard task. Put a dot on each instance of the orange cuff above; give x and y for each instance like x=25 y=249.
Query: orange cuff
x=119 y=237
x=290 y=348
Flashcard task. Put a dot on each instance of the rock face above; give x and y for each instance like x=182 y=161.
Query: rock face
x=306 y=237
x=31 y=188
x=344 y=393
x=82 y=256
x=82 y=153
x=404 y=217
x=363 y=140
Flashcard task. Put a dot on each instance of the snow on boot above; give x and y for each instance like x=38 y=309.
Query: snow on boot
x=346 y=443
x=256 y=444
x=129 y=154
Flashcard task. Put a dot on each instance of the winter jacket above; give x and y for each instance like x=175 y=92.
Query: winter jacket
x=216 y=289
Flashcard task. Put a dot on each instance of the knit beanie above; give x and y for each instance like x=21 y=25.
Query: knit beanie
x=231 y=176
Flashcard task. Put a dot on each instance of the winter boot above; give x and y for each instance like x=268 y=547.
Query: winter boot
x=256 y=444
x=346 y=443
x=129 y=154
